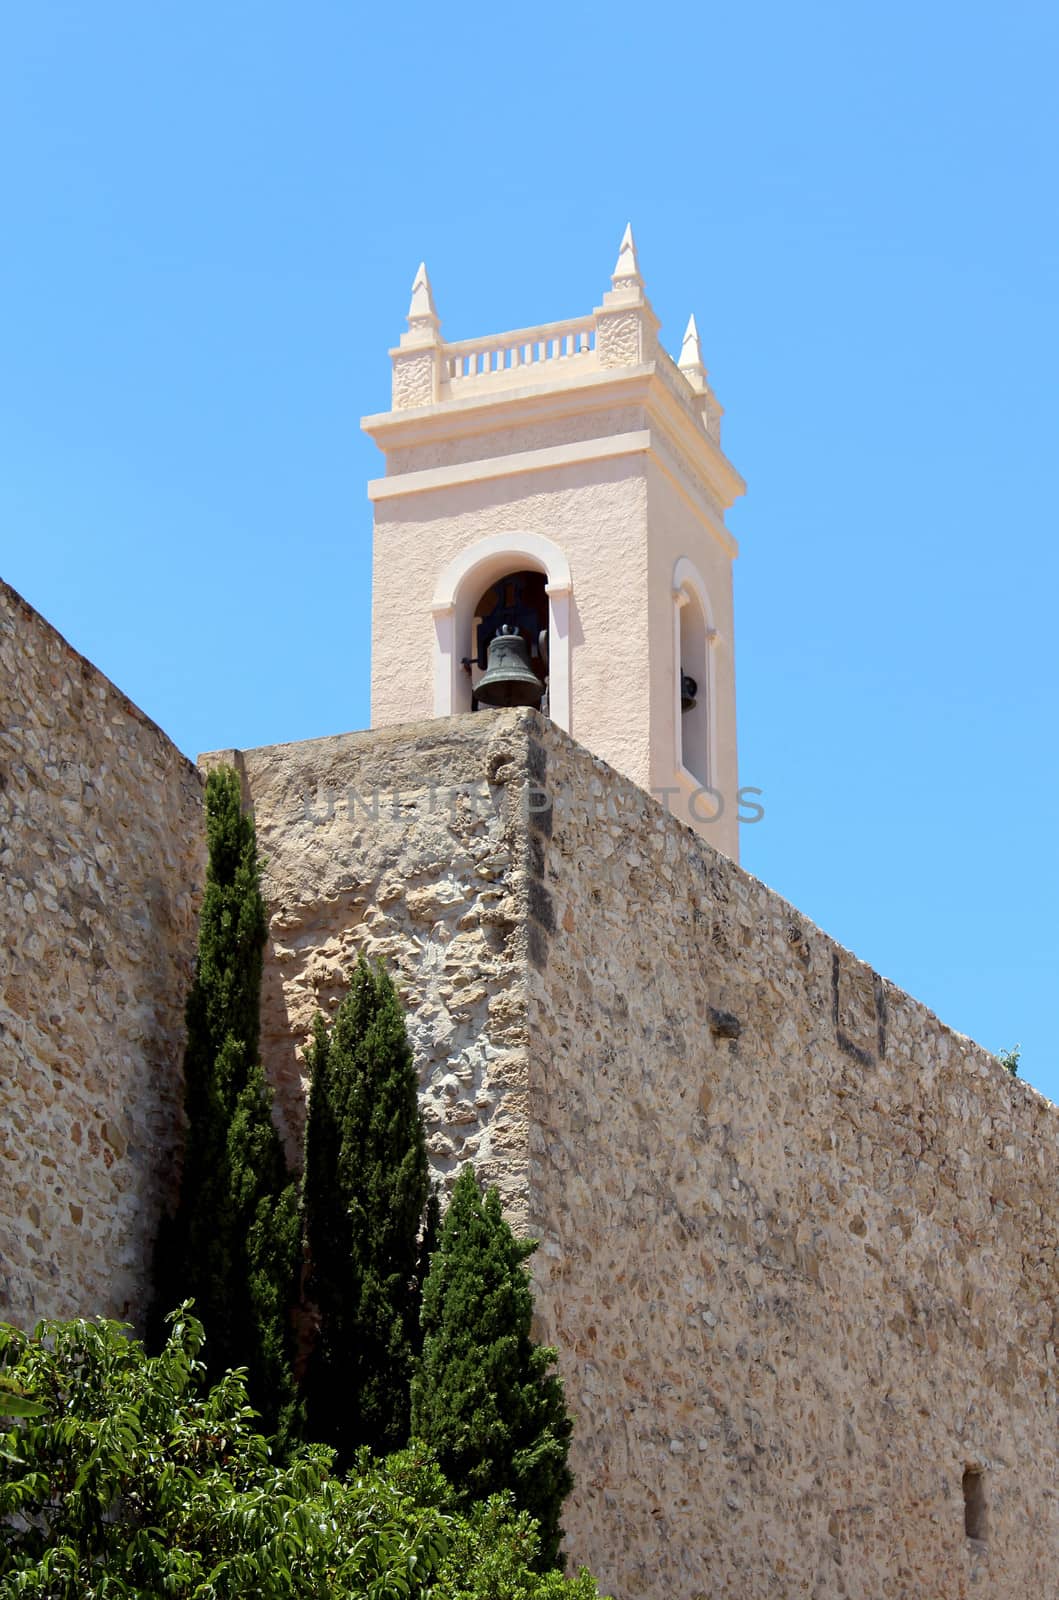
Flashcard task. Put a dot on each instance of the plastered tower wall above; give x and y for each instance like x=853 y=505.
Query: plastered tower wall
x=579 y=450
x=101 y=853
x=799 y=1241
x=603 y=505
x=675 y=529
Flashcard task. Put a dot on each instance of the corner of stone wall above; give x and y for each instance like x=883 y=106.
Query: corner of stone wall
x=408 y=844
x=210 y=760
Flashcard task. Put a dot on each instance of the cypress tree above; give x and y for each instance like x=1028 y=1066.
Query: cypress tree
x=363 y=1192
x=234 y=1245
x=428 y=1243
x=484 y=1397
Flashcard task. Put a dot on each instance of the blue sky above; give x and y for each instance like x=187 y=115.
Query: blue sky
x=210 y=220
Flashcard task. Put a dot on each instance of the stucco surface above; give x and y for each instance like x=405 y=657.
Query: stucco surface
x=413 y=379
x=101 y=855
x=596 y=512
x=678 y=530
x=621 y=338
x=499 y=440
x=621 y=524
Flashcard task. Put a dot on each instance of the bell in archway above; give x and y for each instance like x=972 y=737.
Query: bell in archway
x=509 y=680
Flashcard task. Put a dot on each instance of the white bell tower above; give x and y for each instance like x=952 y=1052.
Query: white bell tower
x=578 y=467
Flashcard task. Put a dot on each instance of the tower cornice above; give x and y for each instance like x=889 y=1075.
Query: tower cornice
x=652 y=384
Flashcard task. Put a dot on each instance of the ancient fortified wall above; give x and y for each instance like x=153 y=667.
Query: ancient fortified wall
x=798 y=1238
x=100 y=867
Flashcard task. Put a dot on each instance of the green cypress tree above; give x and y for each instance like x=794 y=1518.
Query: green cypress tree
x=428 y=1243
x=363 y=1192
x=234 y=1245
x=484 y=1397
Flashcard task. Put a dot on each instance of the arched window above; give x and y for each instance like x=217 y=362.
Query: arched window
x=463 y=589
x=693 y=635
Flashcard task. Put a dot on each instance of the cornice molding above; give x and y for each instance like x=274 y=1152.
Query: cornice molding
x=511 y=408
x=510 y=465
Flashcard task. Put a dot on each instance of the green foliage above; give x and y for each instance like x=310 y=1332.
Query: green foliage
x=15 y=1402
x=364 y=1188
x=1009 y=1060
x=234 y=1246
x=484 y=1397
x=496 y=1554
x=428 y=1243
x=135 y=1480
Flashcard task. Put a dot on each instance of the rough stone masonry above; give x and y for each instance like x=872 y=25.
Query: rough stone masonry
x=101 y=861
x=798 y=1239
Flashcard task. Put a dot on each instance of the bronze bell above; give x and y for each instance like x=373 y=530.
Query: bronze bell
x=509 y=680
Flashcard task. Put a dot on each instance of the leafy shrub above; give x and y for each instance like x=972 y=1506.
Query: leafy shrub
x=124 y=1477
x=1009 y=1060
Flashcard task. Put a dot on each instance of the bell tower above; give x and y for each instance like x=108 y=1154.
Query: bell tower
x=553 y=512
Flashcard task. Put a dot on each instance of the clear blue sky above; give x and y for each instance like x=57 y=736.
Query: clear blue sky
x=210 y=220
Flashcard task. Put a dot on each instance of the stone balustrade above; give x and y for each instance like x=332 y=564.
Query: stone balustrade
x=622 y=332
x=469 y=364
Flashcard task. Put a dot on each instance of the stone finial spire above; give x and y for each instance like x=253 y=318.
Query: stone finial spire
x=690 y=362
x=691 y=365
x=418 y=357
x=422 y=313
x=626 y=274
x=626 y=327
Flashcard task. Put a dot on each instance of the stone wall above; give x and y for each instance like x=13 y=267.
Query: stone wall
x=798 y=1238
x=101 y=857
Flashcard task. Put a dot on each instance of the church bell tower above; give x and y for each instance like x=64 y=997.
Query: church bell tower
x=550 y=531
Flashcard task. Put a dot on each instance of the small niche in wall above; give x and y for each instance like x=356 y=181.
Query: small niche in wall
x=975 y=1522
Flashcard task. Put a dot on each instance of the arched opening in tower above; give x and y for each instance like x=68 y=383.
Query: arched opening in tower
x=693 y=668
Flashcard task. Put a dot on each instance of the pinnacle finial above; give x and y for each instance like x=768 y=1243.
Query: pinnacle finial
x=691 y=349
x=627 y=268
x=422 y=308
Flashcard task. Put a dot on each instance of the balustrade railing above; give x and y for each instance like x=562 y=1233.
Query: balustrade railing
x=468 y=360
x=470 y=366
